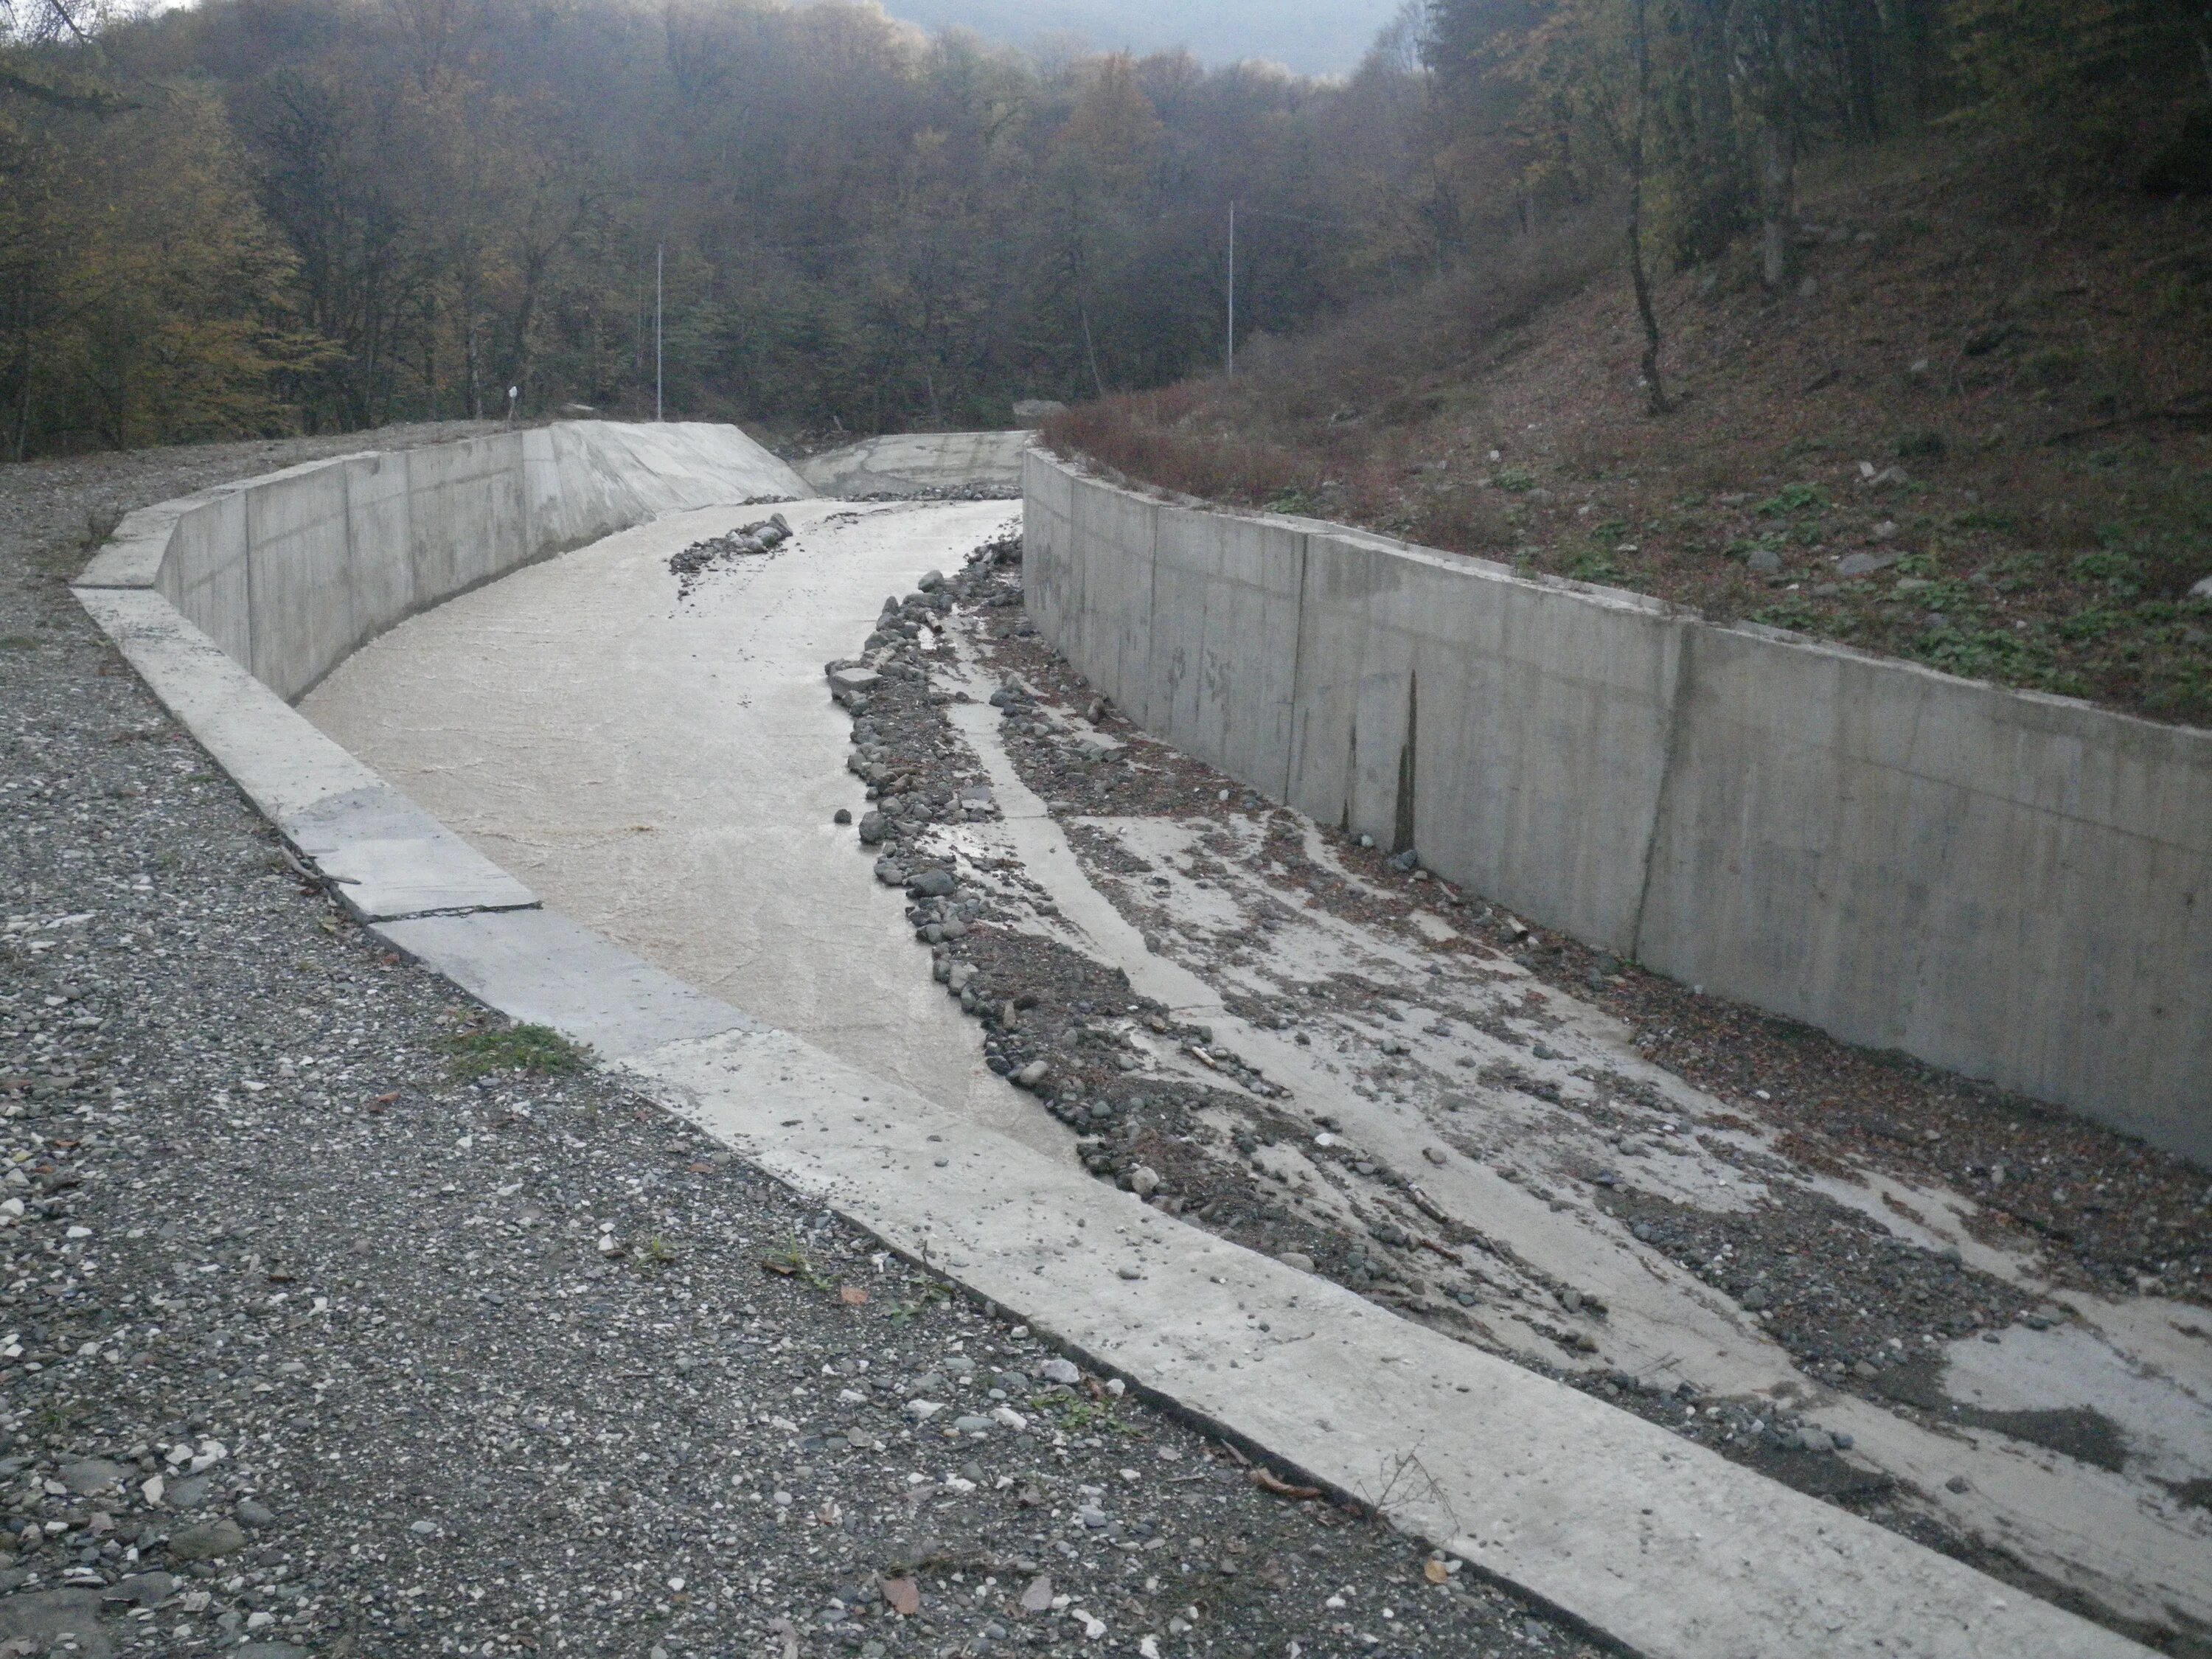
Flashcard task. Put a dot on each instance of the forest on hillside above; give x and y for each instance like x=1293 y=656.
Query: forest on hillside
x=268 y=215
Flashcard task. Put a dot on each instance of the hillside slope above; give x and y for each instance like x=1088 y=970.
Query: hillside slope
x=1977 y=432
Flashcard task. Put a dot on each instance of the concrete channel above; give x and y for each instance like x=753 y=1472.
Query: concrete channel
x=711 y=932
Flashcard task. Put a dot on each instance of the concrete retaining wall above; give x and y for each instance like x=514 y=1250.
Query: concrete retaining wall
x=2015 y=886
x=289 y=574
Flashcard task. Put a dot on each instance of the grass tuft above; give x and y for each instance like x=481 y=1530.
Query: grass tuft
x=538 y=1049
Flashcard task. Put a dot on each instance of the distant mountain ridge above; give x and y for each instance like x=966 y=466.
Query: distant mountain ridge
x=1315 y=37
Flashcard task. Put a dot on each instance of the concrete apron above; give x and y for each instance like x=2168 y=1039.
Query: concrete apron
x=906 y=463
x=1664 y=1548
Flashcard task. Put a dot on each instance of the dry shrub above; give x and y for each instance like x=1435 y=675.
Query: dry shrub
x=1167 y=438
x=1326 y=422
x=1462 y=522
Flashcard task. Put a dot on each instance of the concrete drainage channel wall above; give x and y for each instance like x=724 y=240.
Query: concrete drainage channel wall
x=2014 y=886
x=1663 y=1547
x=290 y=572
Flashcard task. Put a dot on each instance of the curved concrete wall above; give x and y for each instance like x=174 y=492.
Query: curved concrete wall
x=2015 y=886
x=290 y=572
x=234 y=602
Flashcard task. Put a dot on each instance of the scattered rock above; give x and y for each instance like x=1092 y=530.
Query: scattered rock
x=38 y=1621
x=210 y=1542
x=88 y=1475
x=1865 y=564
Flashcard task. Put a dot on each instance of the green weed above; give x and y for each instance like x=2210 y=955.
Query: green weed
x=1794 y=614
x=792 y=1263
x=1793 y=498
x=2122 y=572
x=913 y=1308
x=533 y=1049
x=1992 y=654
x=1073 y=1415
x=2087 y=625
x=1744 y=546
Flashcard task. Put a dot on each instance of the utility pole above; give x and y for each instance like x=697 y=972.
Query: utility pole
x=659 y=254
x=1232 y=291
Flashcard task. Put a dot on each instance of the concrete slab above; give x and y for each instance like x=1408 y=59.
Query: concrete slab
x=906 y=463
x=203 y=572
x=388 y=855
x=2004 y=884
x=131 y=557
x=541 y=968
x=391 y=859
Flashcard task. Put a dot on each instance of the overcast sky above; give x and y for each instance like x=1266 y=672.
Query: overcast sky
x=1320 y=37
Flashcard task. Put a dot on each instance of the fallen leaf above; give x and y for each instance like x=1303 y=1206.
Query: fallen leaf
x=785 y=1269
x=1435 y=1573
x=1267 y=1482
x=853 y=1296
x=904 y=1595
x=1038 y=1596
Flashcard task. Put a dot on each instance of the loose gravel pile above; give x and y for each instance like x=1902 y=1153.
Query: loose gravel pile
x=692 y=564
x=340 y=1318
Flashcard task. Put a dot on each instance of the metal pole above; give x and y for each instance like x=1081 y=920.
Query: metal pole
x=657 y=258
x=1232 y=290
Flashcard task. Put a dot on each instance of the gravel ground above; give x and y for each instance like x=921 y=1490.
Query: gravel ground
x=339 y=1319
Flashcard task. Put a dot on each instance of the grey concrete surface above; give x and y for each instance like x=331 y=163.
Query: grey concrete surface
x=2014 y=886
x=540 y=968
x=911 y=463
